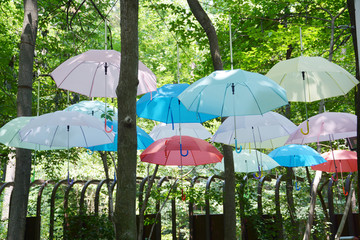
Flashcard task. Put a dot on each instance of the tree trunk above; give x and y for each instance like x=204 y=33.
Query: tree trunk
x=19 y=199
x=229 y=191
x=125 y=209
x=314 y=186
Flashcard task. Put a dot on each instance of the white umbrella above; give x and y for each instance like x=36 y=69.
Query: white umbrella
x=250 y=161
x=308 y=79
x=66 y=129
x=85 y=74
x=269 y=130
x=164 y=130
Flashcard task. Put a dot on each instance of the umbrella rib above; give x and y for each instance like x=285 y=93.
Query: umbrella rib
x=83 y=133
x=52 y=140
x=223 y=100
x=198 y=97
x=67 y=74
x=93 y=79
x=336 y=83
x=254 y=98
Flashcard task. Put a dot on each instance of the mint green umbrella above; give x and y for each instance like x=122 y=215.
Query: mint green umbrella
x=9 y=135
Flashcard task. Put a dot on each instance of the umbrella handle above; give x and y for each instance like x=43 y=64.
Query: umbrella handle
x=335 y=179
x=69 y=181
x=307 y=127
x=236 y=149
x=296 y=186
x=345 y=193
x=112 y=127
x=183 y=196
x=184 y=155
x=259 y=174
x=89 y=152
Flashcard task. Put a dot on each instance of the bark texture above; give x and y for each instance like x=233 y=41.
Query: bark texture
x=19 y=199
x=125 y=208
x=229 y=188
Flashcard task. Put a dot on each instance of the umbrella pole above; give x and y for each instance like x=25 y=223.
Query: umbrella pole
x=260 y=173
x=306 y=112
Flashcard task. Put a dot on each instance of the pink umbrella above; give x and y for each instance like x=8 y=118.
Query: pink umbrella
x=167 y=151
x=95 y=73
x=345 y=161
x=327 y=126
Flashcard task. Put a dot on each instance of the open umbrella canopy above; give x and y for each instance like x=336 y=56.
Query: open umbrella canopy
x=327 y=126
x=322 y=78
x=164 y=130
x=233 y=93
x=167 y=151
x=295 y=155
x=66 y=129
x=345 y=161
x=250 y=161
x=164 y=106
x=269 y=130
x=143 y=140
x=9 y=135
x=95 y=73
x=94 y=108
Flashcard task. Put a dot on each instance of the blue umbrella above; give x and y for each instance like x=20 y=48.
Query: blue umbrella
x=164 y=106
x=295 y=155
x=143 y=140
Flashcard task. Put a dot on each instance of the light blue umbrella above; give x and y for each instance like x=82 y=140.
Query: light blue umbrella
x=295 y=155
x=143 y=140
x=94 y=108
x=164 y=106
x=233 y=93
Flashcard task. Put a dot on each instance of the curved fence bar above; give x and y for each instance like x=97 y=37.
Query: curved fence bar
x=278 y=218
x=83 y=192
x=38 y=203
x=191 y=206
x=141 y=191
x=242 y=206
x=66 y=201
x=97 y=193
x=207 y=205
x=173 y=210
x=52 y=207
x=259 y=193
x=5 y=185
x=350 y=216
x=331 y=207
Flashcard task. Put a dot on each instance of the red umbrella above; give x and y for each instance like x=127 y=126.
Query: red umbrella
x=346 y=161
x=169 y=151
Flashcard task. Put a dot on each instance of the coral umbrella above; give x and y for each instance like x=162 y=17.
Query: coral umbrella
x=167 y=151
x=338 y=161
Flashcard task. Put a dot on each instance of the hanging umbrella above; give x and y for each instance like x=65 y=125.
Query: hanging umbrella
x=85 y=74
x=66 y=129
x=327 y=126
x=164 y=130
x=167 y=151
x=94 y=108
x=346 y=161
x=143 y=140
x=233 y=93
x=9 y=135
x=269 y=130
x=295 y=155
x=319 y=77
x=246 y=161
x=163 y=106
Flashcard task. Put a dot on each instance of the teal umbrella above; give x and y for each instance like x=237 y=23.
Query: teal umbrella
x=94 y=108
